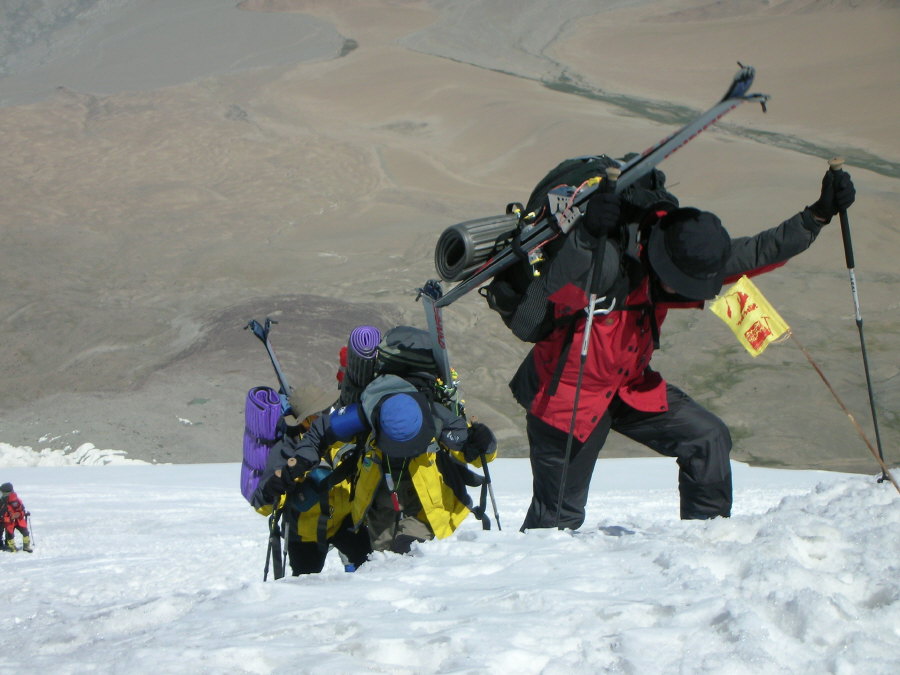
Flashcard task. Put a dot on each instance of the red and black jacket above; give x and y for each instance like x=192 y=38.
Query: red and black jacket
x=622 y=341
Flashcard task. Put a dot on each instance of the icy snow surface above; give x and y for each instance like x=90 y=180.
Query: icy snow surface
x=158 y=569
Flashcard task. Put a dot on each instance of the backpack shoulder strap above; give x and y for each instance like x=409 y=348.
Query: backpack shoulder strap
x=457 y=476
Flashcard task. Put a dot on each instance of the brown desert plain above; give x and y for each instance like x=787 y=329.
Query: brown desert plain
x=168 y=175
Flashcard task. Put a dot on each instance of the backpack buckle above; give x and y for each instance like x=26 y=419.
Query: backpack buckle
x=599 y=311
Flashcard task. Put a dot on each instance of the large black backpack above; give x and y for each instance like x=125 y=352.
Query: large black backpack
x=407 y=352
x=517 y=293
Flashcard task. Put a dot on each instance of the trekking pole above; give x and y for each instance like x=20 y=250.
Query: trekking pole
x=268 y=559
x=488 y=482
x=269 y=550
x=490 y=486
x=262 y=332
x=609 y=185
x=274 y=551
x=835 y=165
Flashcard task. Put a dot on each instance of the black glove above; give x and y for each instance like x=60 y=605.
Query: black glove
x=481 y=440
x=282 y=481
x=602 y=215
x=274 y=487
x=838 y=194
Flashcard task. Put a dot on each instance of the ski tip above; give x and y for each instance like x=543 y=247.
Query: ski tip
x=432 y=290
x=742 y=82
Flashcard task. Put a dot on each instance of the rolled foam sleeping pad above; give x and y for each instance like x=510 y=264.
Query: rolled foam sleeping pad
x=362 y=347
x=463 y=248
x=262 y=413
x=364 y=341
x=249 y=481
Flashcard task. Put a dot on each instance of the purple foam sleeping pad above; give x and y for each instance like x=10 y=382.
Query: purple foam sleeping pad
x=262 y=413
x=361 y=351
x=364 y=341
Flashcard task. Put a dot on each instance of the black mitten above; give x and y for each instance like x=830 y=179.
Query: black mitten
x=838 y=193
x=481 y=440
x=602 y=215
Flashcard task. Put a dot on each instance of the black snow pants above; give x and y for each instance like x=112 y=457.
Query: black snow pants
x=307 y=557
x=698 y=440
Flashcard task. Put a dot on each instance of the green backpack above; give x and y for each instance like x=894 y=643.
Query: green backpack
x=404 y=351
x=407 y=352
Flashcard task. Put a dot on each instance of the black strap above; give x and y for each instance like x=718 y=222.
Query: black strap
x=322 y=523
x=592 y=287
x=480 y=511
x=654 y=326
x=398 y=513
x=341 y=472
x=648 y=309
x=516 y=246
x=457 y=476
x=264 y=441
x=347 y=467
x=599 y=254
x=564 y=354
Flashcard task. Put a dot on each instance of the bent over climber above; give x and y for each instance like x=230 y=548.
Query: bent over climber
x=14 y=518
x=317 y=516
x=411 y=476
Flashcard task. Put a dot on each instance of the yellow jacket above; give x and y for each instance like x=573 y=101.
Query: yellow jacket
x=339 y=506
x=442 y=509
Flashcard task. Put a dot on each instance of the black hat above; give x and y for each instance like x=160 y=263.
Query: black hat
x=688 y=250
x=404 y=427
x=6 y=488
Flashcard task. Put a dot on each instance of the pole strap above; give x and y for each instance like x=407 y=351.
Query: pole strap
x=837 y=398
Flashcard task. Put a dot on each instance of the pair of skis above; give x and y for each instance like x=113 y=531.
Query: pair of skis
x=567 y=208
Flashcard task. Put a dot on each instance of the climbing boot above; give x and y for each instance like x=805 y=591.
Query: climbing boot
x=26 y=544
x=11 y=545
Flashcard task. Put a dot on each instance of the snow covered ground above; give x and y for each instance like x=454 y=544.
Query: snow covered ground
x=143 y=568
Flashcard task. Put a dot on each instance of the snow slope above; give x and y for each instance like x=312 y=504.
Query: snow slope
x=144 y=568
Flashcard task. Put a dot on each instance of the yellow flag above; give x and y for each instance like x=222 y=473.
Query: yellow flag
x=753 y=320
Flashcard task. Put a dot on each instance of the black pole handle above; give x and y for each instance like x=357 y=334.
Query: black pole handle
x=612 y=178
x=835 y=165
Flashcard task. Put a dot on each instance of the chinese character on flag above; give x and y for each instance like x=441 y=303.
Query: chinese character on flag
x=753 y=320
